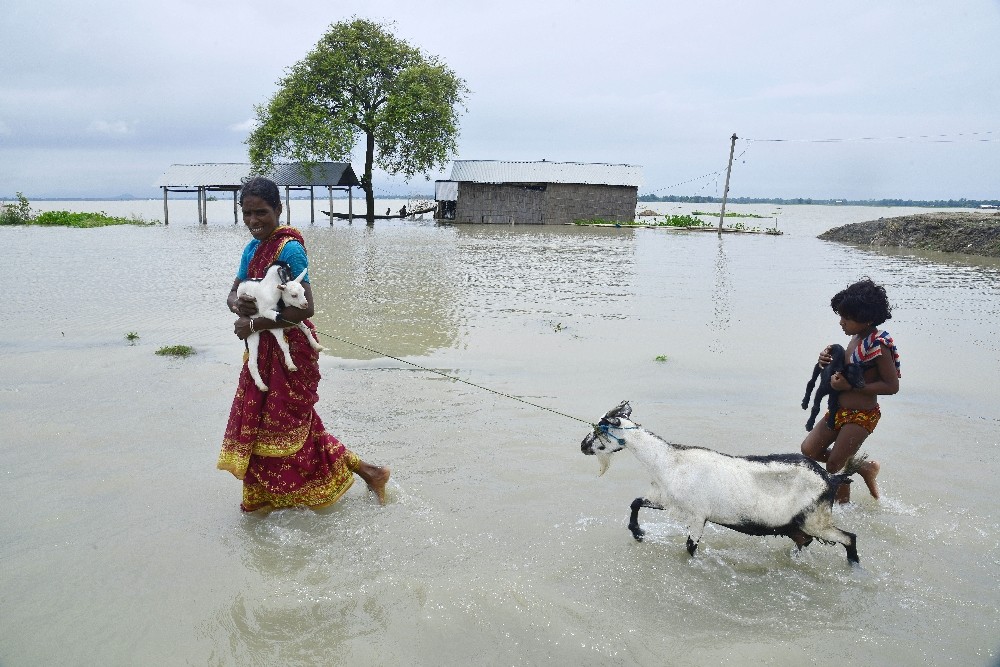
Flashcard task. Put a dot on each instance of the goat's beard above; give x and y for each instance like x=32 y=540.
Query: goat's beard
x=605 y=461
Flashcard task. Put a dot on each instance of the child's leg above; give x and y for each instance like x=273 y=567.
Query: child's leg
x=848 y=442
x=818 y=441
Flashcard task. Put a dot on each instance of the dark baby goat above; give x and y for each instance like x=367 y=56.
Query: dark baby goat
x=852 y=373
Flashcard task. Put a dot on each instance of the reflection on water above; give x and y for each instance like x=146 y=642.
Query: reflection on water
x=388 y=289
x=721 y=295
x=123 y=541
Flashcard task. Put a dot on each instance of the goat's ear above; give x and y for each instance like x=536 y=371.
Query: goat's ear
x=614 y=421
x=301 y=276
x=625 y=410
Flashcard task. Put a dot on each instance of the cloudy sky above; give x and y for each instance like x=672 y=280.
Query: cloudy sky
x=98 y=98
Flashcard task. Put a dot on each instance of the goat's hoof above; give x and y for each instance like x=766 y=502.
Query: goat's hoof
x=293 y=367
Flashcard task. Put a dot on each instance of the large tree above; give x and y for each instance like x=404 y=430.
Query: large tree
x=361 y=81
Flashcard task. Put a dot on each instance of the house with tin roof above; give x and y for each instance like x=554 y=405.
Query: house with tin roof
x=536 y=193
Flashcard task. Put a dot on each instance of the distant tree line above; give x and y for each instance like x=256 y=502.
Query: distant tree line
x=932 y=203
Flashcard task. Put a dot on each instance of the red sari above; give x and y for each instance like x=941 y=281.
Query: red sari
x=275 y=441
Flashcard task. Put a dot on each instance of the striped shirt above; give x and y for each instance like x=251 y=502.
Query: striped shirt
x=870 y=348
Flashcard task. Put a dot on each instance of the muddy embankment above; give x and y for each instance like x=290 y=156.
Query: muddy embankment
x=973 y=233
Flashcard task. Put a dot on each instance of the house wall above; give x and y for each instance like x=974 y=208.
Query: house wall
x=535 y=204
x=565 y=203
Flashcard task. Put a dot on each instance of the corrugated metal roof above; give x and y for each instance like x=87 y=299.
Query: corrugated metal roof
x=234 y=173
x=496 y=171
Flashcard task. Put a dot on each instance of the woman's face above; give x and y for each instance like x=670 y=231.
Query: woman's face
x=259 y=217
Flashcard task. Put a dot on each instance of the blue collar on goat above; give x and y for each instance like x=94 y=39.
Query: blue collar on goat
x=603 y=428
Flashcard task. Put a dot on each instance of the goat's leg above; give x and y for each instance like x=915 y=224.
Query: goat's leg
x=809 y=387
x=279 y=335
x=801 y=539
x=695 y=530
x=253 y=344
x=313 y=342
x=833 y=534
x=833 y=406
x=633 y=520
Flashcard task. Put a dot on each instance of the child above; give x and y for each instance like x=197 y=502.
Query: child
x=862 y=307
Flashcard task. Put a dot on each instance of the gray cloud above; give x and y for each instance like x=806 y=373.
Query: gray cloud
x=99 y=98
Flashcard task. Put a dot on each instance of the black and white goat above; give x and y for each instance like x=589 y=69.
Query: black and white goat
x=852 y=373
x=275 y=286
x=779 y=494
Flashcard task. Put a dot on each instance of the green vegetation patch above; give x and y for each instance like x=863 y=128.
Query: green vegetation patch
x=68 y=219
x=729 y=214
x=16 y=214
x=668 y=221
x=176 y=351
x=21 y=214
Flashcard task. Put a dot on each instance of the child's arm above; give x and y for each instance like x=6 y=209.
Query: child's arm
x=887 y=383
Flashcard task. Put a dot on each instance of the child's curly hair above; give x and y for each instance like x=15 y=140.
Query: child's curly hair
x=863 y=301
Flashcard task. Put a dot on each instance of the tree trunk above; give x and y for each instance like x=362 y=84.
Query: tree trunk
x=366 y=180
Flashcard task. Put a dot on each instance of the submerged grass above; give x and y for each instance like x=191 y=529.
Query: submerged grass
x=176 y=351
x=102 y=219
x=683 y=222
x=668 y=221
x=21 y=214
x=729 y=214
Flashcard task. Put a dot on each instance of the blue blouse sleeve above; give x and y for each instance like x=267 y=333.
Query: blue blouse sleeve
x=248 y=251
x=294 y=255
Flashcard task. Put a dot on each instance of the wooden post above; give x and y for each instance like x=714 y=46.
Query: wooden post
x=312 y=206
x=729 y=171
x=236 y=217
x=350 y=203
x=329 y=190
x=288 y=207
x=202 y=209
x=166 y=213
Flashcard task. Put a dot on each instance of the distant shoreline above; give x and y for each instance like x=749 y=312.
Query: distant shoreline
x=676 y=199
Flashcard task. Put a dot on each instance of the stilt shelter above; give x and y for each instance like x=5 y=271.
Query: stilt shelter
x=230 y=176
x=537 y=193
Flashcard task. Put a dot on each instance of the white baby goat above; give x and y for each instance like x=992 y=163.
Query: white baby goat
x=778 y=494
x=274 y=287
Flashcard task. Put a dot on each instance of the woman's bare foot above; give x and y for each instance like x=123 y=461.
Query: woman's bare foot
x=869 y=471
x=376 y=477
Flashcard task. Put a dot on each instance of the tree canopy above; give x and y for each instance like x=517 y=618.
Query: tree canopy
x=362 y=82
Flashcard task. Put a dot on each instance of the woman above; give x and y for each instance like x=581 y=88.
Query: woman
x=862 y=307
x=275 y=441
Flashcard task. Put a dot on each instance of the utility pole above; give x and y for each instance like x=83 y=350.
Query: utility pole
x=729 y=171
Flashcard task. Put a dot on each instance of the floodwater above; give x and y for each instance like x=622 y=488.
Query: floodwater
x=123 y=545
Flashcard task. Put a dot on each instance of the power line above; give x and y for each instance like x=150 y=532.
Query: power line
x=927 y=138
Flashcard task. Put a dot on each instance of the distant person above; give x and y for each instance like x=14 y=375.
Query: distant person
x=863 y=307
x=275 y=441
x=402 y=211
x=388 y=211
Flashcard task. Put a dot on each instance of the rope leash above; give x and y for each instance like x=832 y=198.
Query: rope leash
x=450 y=377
